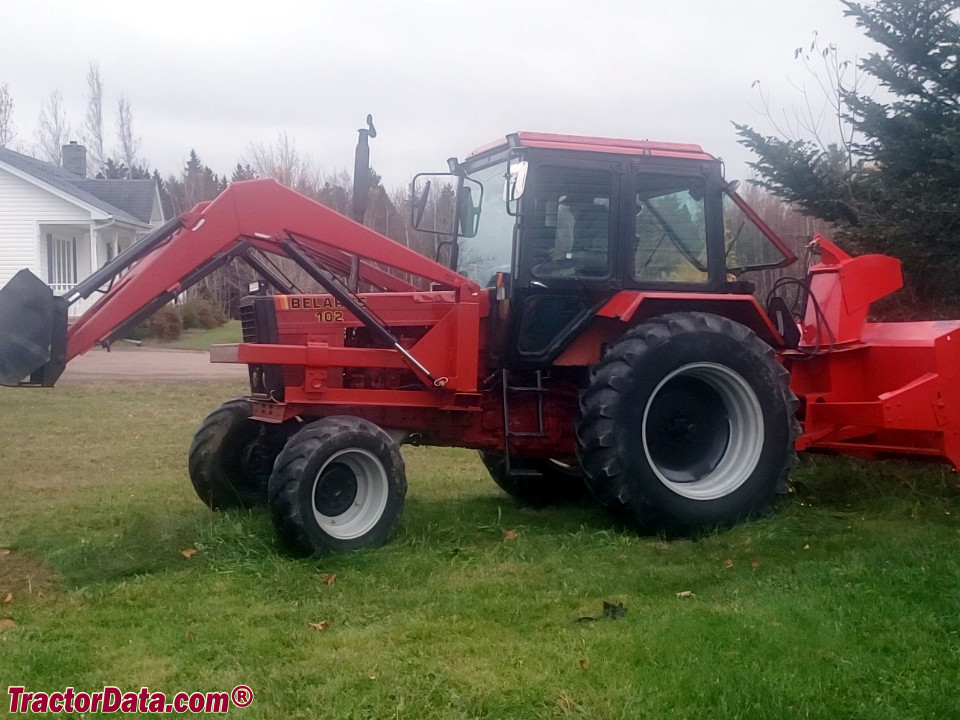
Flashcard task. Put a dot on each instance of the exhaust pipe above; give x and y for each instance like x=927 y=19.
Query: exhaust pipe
x=33 y=332
x=361 y=171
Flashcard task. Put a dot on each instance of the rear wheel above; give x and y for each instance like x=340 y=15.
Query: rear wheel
x=688 y=423
x=338 y=484
x=539 y=482
x=231 y=457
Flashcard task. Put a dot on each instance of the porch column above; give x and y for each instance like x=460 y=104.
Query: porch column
x=93 y=249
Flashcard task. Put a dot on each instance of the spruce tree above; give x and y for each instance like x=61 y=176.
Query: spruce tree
x=896 y=188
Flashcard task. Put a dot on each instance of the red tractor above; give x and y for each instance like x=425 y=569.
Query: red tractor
x=609 y=342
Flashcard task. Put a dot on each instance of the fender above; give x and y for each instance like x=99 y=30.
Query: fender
x=632 y=307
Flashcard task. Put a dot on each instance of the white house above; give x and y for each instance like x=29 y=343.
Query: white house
x=63 y=226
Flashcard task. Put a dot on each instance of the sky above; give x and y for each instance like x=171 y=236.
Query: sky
x=440 y=77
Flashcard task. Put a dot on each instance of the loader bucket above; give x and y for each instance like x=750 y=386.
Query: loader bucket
x=33 y=332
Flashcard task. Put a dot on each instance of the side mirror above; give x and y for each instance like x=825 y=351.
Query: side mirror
x=420 y=203
x=453 y=208
x=469 y=212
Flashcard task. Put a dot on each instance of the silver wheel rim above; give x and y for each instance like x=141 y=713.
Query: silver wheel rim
x=367 y=507
x=745 y=429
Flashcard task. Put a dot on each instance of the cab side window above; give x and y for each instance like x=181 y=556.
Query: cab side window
x=670 y=242
x=570 y=228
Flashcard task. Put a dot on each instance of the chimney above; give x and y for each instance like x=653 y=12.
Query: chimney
x=75 y=159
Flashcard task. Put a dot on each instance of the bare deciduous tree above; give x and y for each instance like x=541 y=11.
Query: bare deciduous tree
x=52 y=128
x=6 y=115
x=93 y=123
x=282 y=162
x=129 y=145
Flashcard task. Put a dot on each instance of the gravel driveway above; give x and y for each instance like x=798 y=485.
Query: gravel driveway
x=148 y=364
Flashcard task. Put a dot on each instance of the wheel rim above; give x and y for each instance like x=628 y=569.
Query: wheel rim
x=702 y=431
x=349 y=493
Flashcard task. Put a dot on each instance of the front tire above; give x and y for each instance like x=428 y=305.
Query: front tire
x=231 y=457
x=339 y=484
x=687 y=423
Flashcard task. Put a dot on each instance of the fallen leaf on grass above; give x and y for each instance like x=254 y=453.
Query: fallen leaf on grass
x=188 y=553
x=190 y=635
x=8 y=599
x=6 y=624
x=755 y=562
x=806 y=547
x=320 y=626
x=510 y=535
x=685 y=594
x=728 y=564
x=329 y=579
x=583 y=665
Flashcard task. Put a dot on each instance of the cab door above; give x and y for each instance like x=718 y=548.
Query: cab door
x=567 y=254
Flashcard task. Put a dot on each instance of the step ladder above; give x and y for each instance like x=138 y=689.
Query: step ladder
x=508 y=389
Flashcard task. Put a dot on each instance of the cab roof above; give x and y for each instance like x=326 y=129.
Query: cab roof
x=583 y=143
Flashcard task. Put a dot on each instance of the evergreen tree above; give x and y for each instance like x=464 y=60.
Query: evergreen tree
x=242 y=172
x=896 y=187
x=113 y=170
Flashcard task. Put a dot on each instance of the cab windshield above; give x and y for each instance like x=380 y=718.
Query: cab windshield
x=491 y=250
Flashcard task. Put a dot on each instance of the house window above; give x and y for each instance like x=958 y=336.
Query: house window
x=61 y=260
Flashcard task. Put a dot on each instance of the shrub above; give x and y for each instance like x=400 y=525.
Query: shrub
x=138 y=332
x=210 y=314
x=201 y=312
x=165 y=324
x=189 y=316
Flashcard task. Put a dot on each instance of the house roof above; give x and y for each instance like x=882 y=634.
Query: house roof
x=137 y=197
x=91 y=193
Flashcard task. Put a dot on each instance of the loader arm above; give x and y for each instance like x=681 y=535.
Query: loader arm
x=253 y=214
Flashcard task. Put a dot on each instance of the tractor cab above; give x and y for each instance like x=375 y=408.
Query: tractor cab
x=569 y=222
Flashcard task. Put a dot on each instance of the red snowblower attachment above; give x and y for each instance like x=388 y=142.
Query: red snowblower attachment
x=873 y=390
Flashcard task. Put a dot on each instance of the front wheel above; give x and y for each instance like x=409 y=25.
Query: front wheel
x=687 y=423
x=339 y=484
x=231 y=456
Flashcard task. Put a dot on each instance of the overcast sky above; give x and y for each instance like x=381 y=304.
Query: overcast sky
x=440 y=76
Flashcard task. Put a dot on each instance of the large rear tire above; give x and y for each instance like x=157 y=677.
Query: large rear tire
x=688 y=423
x=339 y=484
x=231 y=457
x=541 y=481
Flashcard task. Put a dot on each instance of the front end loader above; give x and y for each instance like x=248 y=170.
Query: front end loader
x=604 y=337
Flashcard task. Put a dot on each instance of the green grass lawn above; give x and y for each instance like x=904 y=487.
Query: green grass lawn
x=200 y=339
x=843 y=604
